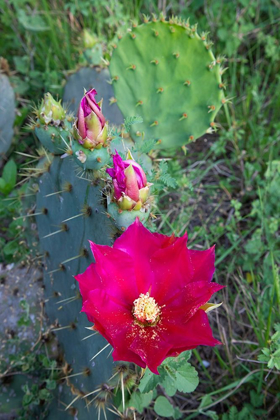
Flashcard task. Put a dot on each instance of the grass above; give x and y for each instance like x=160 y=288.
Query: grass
x=228 y=183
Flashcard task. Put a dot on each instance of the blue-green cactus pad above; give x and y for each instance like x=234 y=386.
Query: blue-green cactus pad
x=7 y=113
x=54 y=139
x=95 y=159
x=63 y=302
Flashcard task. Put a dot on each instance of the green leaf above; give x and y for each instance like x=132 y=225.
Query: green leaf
x=24 y=305
x=163 y=407
x=181 y=374
x=148 y=382
x=175 y=373
x=277 y=363
x=32 y=22
x=44 y=394
x=146 y=146
x=263 y=358
x=165 y=176
x=21 y=64
x=9 y=176
x=270 y=364
x=205 y=401
x=129 y=121
x=276 y=353
x=169 y=386
x=256 y=399
x=266 y=351
x=11 y=248
x=186 y=378
x=51 y=384
x=3 y=186
x=212 y=414
x=23 y=321
x=27 y=399
x=139 y=401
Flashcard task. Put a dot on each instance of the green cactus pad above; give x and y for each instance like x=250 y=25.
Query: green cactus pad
x=93 y=55
x=7 y=113
x=166 y=73
x=86 y=79
x=54 y=139
x=95 y=159
x=123 y=218
x=71 y=214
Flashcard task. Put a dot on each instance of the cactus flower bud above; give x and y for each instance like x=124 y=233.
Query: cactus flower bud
x=90 y=128
x=89 y=39
x=51 y=111
x=131 y=189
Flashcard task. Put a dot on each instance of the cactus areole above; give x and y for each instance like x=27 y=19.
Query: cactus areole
x=148 y=294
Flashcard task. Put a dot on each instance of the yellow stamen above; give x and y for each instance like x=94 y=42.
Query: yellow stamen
x=145 y=310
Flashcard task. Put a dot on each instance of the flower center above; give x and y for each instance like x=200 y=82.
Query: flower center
x=146 y=311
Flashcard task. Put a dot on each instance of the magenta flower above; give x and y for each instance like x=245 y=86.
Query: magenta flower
x=90 y=128
x=131 y=188
x=148 y=294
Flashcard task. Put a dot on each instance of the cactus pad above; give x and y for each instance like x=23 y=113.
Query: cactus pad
x=90 y=159
x=70 y=213
x=7 y=113
x=54 y=139
x=166 y=73
x=124 y=218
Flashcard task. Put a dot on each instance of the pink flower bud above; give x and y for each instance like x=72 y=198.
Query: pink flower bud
x=130 y=183
x=90 y=128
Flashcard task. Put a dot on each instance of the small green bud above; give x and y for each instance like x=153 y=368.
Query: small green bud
x=51 y=111
x=89 y=39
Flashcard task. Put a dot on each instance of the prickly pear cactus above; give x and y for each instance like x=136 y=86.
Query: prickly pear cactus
x=7 y=113
x=85 y=79
x=69 y=212
x=166 y=73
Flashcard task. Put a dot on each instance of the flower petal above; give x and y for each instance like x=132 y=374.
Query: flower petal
x=93 y=126
x=109 y=316
x=121 y=353
x=140 y=174
x=172 y=269
x=151 y=347
x=187 y=301
x=186 y=336
x=89 y=280
x=140 y=244
x=203 y=263
x=116 y=271
x=115 y=324
x=131 y=186
x=94 y=106
x=81 y=123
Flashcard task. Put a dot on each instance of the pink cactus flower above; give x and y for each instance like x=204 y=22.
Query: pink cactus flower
x=148 y=296
x=131 y=188
x=90 y=128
